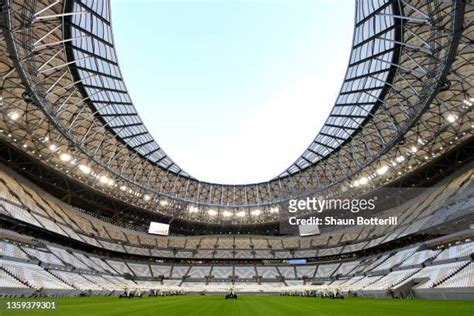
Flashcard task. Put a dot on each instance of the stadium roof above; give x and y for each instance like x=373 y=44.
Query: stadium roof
x=98 y=69
x=367 y=73
x=405 y=96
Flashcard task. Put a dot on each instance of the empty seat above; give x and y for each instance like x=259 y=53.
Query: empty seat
x=33 y=275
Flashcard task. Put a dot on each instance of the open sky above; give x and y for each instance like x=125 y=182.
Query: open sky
x=233 y=90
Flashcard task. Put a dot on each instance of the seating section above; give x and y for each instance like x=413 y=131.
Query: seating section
x=242 y=254
x=433 y=275
x=243 y=243
x=350 y=283
x=391 y=279
x=16 y=274
x=19 y=213
x=7 y=281
x=282 y=254
x=139 y=250
x=263 y=254
x=326 y=270
x=245 y=272
x=76 y=280
x=419 y=257
x=287 y=272
x=49 y=224
x=32 y=275
x=373 y=262
x=208 y=243
x=148 y=285
x=161 y=253
x=456 y=251
x=112 y=246
x=268 y=272
x=178 y=242
x=142 y=270
x=224 y=254
x=305 y=271
x=222 y=272
x=120 y=282
x=193 y=286
x=330 y=251
x=199 y=272
x=68 y=258
x=120 y=266
x=179 y=271
x=305 y=253
x=102 y=282
x=294 y=283
x=160 y=270
x=204 y=254
x=171 y=283
x=396 y=259
x=336 y=284
x=43 y=256
x=11 y=250
x=462 y=279
x=26 y=202
x=89 y=262
x=275 y=244
x=346 y=268
x=225 y=242
x=365 y=282
x=35 y=264
x=101 y=265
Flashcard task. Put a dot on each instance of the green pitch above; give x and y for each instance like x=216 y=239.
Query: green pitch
x=247 y=305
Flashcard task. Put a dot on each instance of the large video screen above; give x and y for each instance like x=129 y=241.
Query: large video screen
x=159 y=229
x=308 y=230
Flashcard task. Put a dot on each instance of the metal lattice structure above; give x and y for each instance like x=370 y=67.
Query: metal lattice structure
x=98 y=70
x=406 y=98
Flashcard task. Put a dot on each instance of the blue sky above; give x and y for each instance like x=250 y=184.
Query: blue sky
x=233 y=91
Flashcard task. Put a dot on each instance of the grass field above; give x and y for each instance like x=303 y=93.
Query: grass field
x=248 y=305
